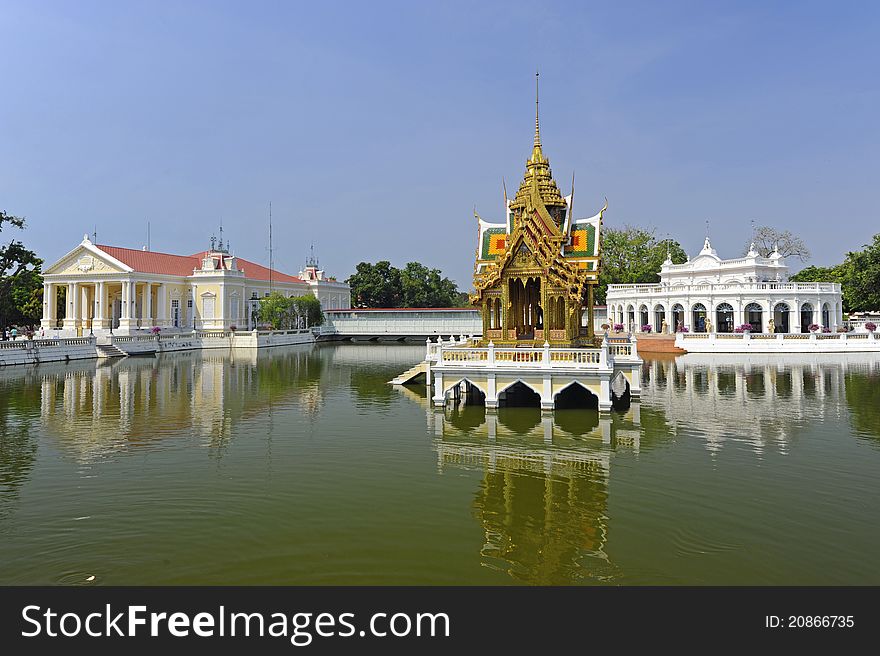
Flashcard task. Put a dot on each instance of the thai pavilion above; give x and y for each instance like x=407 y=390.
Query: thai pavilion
x=708 y=294
x=125 y=289
x=535 y=273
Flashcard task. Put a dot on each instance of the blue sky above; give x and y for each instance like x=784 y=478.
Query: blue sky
x=374 y=128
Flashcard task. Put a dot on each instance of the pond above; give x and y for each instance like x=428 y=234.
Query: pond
x=302 y=465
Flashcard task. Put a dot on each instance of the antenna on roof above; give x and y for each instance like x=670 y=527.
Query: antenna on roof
x=271 y=263
x=220 y=245
x=148 y=235
x=95 y=235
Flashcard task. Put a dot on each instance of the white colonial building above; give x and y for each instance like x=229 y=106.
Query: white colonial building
x=125 y=289
x=708 y=294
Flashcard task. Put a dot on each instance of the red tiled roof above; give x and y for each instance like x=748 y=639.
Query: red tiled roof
x=254 y=271
x=152 y=262
x=183 y=265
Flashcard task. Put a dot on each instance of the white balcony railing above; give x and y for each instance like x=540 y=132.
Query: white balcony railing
x=460 y=354
x=716 y=288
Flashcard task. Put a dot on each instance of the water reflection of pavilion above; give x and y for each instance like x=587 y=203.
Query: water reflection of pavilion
x=759 y=400
x=542 y=500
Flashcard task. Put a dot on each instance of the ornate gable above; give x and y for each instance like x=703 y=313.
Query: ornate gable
x=86 y=260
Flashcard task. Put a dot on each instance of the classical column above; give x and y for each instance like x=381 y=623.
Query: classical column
x=161 y=305
x=126 y=310
x=85 y=306
x=48 y=320
x=192 y=319
x=147 y=306
x=72 y=312
x=102 y=318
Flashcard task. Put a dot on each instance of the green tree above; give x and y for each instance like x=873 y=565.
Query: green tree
x=767 y=239
x=858 y=275
x=817 y=274
x=633 y=255
x=21 y=284
x=383 y=285
x=309 y=307
x=277 y=310
x=375 y=285
x=424 y=287
x=860 y=278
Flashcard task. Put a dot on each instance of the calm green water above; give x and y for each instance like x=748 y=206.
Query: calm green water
x=302 y=466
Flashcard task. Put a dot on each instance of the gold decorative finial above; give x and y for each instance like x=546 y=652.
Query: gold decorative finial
x=537 y=128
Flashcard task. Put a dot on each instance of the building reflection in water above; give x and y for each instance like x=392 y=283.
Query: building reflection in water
x=544 y=494
x=762 y=401
x=119 y=405
x=542 y=501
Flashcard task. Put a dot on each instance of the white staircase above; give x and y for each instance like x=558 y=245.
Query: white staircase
x=110 y=351
x=410 y=374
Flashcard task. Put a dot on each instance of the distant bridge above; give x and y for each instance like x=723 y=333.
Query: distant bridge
x=393 y=324
x=415 y=324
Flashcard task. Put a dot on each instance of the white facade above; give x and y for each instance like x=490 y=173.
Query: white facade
x=708 y=294
x=110 y=288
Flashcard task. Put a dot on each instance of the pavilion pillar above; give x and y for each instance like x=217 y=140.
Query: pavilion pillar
x=591 y=325
x=71 y=315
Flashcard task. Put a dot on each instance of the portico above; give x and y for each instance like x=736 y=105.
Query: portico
x=108 y=288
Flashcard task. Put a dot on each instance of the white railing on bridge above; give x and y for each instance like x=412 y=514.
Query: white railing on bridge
x=402 y=322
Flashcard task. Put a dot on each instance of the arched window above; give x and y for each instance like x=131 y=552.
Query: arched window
x=659 y=318
x=807 y=318
x=699 y=318
x=826 y=316
x=644 y=319
x=678 y=317
x=724 y=318
x=781 y=313
x=630 y=318
x=754 y=316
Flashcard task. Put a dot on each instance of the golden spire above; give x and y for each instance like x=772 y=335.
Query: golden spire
x=538 y=171
x=537 y=127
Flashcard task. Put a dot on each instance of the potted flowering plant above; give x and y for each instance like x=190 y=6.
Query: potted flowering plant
x=870 y=326
x=814 y=327
x=744 y=328
x=826 y=329
x=618 y=327
x=233 y=327
x=155 y=330
x=682 y=329
x=605 y=327
x=646 y=328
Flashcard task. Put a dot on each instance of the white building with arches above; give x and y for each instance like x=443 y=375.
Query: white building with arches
x=708 y=294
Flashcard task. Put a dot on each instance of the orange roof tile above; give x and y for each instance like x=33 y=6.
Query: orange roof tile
x=254 y=271
x=183 y=265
